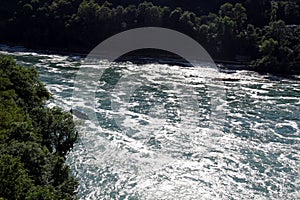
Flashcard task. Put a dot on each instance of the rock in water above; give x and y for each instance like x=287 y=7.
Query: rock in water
x=79 y=113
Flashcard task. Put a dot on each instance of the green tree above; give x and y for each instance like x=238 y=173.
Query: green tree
x=239 y=16
x=87 y=11
x=15 y=182
x=277 y=47
x=56 y=128
x=29 y=90
x=130 y=14
x=33 y=139
x=175 y=16
x=226 y=10
x=274 y=11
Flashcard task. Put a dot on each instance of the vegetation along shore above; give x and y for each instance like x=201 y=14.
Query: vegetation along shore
x=262 y=33
x=34 y=139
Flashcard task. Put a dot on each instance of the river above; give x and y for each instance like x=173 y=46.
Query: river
x=148 y=153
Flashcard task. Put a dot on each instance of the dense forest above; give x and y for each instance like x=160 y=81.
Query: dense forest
x=263 y=33
x=34 y=139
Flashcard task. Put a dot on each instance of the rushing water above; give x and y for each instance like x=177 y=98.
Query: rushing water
x=152 y=156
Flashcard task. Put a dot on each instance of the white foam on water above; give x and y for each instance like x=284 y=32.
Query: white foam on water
x=255 y=154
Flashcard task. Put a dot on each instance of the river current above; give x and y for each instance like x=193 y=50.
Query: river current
x=245 y=146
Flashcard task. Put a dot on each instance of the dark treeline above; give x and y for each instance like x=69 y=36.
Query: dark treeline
x=263 y=33
x=34 y=139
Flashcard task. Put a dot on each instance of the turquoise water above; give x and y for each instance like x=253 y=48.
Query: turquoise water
x=247 y=147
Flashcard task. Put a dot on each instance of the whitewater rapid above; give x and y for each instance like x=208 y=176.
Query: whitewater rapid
x=149 y=147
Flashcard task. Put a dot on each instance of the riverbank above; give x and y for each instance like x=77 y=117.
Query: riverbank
x=148 y=56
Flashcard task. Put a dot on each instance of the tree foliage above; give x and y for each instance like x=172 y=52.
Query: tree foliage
x=225 y=28
x=34 y=139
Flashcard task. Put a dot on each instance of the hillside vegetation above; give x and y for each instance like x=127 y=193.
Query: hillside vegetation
x=263 y=33
x=34 y=139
